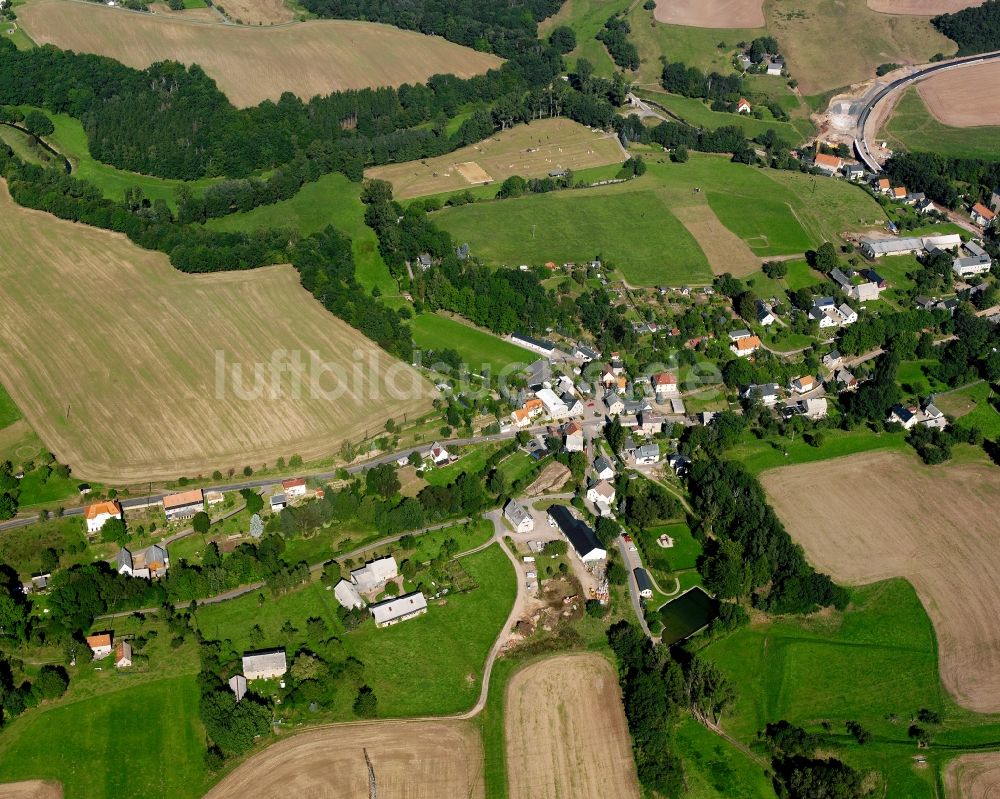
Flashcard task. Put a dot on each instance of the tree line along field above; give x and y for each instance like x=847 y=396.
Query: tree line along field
x=531 y=151
x=667 y=226
x=897 y=518
x=251 y=64
x=912 y=127
x=132 y=331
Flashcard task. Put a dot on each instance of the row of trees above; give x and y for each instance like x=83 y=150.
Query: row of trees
x=614 y=36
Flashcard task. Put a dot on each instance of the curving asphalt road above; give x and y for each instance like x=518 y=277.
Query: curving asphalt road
x=861 y=139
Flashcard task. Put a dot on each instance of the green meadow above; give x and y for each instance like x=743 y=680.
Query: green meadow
x=875 y=663
x=695 y=112
x=759 y=455
x=478 y=348
x=70 y=139
x=632 y=225
x=715 y=769
x=331 y=200
x=913 y=127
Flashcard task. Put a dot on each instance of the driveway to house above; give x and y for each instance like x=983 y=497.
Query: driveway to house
x=632 y=562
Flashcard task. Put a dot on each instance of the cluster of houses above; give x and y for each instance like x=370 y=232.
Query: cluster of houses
x=368 y=581
x=813 y=408
x=826 y=311
x=150 y=563
x=103 y=644
x=968 y=257
x=909 y=416
x=743 y=343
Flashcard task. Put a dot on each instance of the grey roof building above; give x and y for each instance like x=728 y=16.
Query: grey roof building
x=265 y=664
x=399 y=609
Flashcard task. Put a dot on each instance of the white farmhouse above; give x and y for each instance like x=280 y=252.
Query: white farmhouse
x=264 y=665
x=519 y=517
x=97 y=513
x=347 y=595
x=399 y=609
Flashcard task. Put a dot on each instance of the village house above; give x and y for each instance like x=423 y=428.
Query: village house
x=828 y=164
x=804 y=384
x=150 y=563
x=862 y=291
x=643 y=583
x=214 y=498
x=883 y=186
x=764 y=316
x=681 y=464
x=97 y=513
x=744 y=343
x=743 y=106
x=184 y=504
x=38 y=583
x=909 y=416
x=530 y=410
x=294 y=488
x=603 y=468
x=854 y=172
x=347 y=595
x=601 y=493
x=832 y=359
x=976 y=261
x=519 y=517
x=614 y=404
x=266 y=664
x=650 y=423
x=665 y=385
x=393 y=611
x=573 y=437
x=982 y=216
x=767 y=393
x=278 y=502
x=100 y=644
x=578 y=533
x=647 y=454
x=438 y=454
x=123 y=655
x=775 y=65
x=899 y=193
x=375 y=574
x=845 y=379
x=814 y=408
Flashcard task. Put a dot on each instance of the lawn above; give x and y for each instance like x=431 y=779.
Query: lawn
x=768 y=226
x=425 y=666
x=478 y=348
x=760 y=455
x=972 y=406
x=634 y=224
x=913 y=127
x=146 y=740
x=471 y=460
x=714 y=768
x=70 y=139
x=799 y=276
x=915 y=380
x=331 y=200
x=635 y=230
x=682 y=555
x=876 y=663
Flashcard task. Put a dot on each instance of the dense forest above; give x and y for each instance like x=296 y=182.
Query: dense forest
x=937 y=175
x=976 y=29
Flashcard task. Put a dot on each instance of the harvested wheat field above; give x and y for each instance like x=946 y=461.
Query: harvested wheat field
x=877 y=515
x=725 y=251
x=921 y=8
x=31 y=789
x=956 y=97
x=711 y=13
x=566 y=731
x=259 y=12
x=127 y=368
x=251 y=64
x=974 y=776
x=531 y=151
x=410 y=759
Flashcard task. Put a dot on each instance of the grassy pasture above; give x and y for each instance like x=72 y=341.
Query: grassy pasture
x=478 y=348
x=714 y=768
x=760 y=455
x=531 y=151
x=876 y=659
x=251 y=64
x=153 y=727
x=23 y=146
x=331 y=200
x=695 y=112
x=86 y=381
x=972 y=407
x=913 y=127
x=634 y=224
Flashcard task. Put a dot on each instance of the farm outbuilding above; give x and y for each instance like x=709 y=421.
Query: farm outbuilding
x=579 y=534
x=643 y=583
x=266 y=664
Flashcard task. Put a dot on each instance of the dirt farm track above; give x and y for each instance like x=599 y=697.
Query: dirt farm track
x=877 y=515
x=544 y=714
x=410 y=759
x=251 y=64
